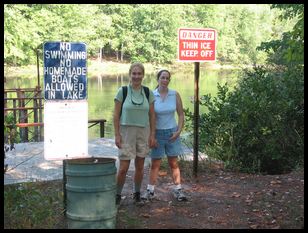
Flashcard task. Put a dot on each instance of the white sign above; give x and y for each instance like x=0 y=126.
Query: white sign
x=65 y=129
x=65 y=71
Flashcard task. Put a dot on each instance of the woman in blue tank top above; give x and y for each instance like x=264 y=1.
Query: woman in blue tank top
x=167 y=134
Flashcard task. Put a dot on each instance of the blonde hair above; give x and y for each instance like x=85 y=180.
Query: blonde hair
x=136 y=64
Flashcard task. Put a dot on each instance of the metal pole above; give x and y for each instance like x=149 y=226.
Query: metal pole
x=196 y=118
x=64 y=186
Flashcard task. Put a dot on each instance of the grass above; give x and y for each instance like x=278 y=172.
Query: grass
x=33 y=205
x=39 y=205
x=128 y=221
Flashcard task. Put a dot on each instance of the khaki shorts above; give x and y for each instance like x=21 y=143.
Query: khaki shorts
x=134 y=142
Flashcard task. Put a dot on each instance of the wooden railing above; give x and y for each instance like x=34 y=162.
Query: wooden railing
x=25 y=108
x=25 y=104
x=101 y=123
x=94 y=122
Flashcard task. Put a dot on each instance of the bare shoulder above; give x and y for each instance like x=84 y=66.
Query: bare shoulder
x=177 y=94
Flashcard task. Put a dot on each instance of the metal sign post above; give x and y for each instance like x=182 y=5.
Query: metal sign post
x=196 y=45
x=196 y=119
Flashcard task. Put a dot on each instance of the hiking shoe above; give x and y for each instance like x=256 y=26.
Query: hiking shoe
x=179 y=195
x=137 y=198
x=148 y=195
x=118 y=199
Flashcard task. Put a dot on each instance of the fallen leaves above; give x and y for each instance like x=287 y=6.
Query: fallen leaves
x=275 y=182
x=145 y=215
x=228 y=199
x=162 y=173
x=255 y=226
x=235 y=194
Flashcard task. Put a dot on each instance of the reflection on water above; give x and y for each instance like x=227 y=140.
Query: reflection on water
x=102 y=90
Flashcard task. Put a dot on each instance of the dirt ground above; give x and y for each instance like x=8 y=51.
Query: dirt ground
x=218 y=199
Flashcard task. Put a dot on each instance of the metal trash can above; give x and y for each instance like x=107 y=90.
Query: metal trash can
x=90 y=193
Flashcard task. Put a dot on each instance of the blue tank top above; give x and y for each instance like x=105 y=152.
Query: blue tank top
x=165 y=110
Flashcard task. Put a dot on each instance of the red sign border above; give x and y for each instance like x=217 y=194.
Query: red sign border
x=194 y=29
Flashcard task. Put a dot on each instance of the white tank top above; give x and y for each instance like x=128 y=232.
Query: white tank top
x=165 y=110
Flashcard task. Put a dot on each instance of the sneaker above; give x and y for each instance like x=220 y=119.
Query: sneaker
x=118 y=199
x=179 y=195
x=137 y=198
x=148 y=195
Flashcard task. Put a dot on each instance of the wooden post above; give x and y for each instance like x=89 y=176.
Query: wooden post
x=40 y=105
x=35 y=118
x=14 y=111
x=5 y=102
x=23 y=117
x=102 y=129
x=196 y=119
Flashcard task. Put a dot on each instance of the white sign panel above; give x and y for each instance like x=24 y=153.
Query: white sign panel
x=65 y=71
x=65 y=129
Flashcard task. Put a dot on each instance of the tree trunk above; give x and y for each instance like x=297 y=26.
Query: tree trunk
x=122 y=52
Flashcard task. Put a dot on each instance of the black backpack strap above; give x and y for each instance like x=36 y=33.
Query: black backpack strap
x=124 y=92
x=147 y=92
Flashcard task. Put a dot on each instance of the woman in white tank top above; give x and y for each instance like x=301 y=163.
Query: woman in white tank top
x=167 y=103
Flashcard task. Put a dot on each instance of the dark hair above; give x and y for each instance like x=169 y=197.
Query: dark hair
x=159 y=73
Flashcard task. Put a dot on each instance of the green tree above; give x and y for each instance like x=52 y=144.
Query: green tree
x=155 y=30
x=28 y=26
x=20 y=34
x=145 y=32
x=259 y=127
x=289 y=50
x=121 y=37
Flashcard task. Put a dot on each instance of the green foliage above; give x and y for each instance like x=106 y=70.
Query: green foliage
x=138 y=32
x=10 y=135
x=260 y=126
x=289 y=50
x=27 y=207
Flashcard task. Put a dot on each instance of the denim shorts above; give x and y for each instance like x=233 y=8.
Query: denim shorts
x=165 y=146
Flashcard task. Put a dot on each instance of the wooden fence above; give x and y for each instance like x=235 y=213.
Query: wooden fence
x=26 y=106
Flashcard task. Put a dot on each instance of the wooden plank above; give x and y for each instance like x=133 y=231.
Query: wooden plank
x=25 y=125
x=97 y=120
x=24 y=98
x=21 y=108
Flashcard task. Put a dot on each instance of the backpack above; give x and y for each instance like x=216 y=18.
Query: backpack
x=124 y=90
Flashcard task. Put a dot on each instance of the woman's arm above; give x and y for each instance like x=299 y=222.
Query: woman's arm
x=180 y=112
x=152 y=140
x=116 y=123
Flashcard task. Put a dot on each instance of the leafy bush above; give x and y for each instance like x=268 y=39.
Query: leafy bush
x=259 y=127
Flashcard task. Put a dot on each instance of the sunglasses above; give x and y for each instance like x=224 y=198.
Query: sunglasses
x=131 y=98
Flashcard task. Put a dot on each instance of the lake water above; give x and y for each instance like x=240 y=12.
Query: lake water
x=102 y=90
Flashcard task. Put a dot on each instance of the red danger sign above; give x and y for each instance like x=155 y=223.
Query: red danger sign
x=197 y=45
